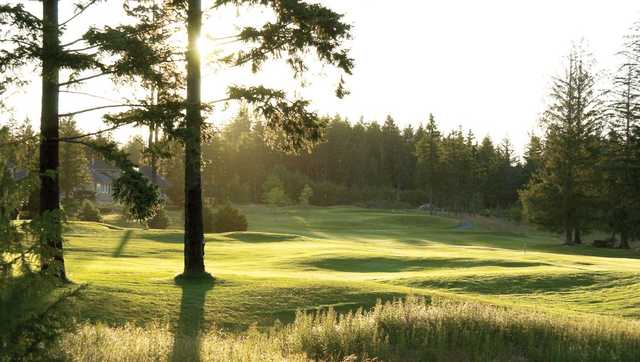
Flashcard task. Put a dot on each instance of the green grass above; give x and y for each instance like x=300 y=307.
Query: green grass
x=409 y=330
x=492 y=291
x=343 y=257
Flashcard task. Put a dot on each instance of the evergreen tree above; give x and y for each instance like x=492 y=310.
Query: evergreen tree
x=573 y=123
x=621 y=187
x=428 y=159
x=532 y=157
x=135 y=149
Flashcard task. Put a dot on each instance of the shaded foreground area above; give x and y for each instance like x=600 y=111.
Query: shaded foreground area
x=409 y=330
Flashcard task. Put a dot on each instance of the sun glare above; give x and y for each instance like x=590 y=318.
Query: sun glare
x=204 y=47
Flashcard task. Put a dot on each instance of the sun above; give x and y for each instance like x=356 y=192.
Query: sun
x=204 y=47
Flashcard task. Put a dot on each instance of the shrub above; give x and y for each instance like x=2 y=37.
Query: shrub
x=70 y=206
x=305 y=195
x=89 y=212
x=293 y=182
x=226 y=219
x=160 y=220
x=274 y=193
x=276 y=197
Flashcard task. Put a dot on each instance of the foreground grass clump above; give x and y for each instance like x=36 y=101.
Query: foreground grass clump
x=410 y=329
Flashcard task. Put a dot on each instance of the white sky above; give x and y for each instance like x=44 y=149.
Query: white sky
x=485 y=65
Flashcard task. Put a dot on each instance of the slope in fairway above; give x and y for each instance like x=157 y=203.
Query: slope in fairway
x=342 y=257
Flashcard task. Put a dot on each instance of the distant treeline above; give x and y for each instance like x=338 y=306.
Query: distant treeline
x=364 y=164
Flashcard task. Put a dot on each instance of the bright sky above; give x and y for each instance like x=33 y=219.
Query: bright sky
x=485 y=65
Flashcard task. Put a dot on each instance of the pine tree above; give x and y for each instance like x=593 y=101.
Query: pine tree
x=532 y=156
x=564 y=187
x=622 y=162
x=428 y=160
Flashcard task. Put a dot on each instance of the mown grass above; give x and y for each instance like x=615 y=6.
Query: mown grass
x=308 y=259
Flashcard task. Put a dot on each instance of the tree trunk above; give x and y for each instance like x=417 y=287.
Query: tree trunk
x=577 y=237
x=193 y=225
x=52 y=259
x=624 y=240
x=568 y=239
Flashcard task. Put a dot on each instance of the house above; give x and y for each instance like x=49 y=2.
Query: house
x=17 y=174
x=103 y=174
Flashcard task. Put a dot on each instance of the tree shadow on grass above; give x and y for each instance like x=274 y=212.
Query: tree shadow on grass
x=123 y=242
x=518 y=284
x=393 y=265
x=254 y=237
x=186 y=342
x=171 y=237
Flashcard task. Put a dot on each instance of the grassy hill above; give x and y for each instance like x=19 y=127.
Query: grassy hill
x=343 y=257
x=473 y=290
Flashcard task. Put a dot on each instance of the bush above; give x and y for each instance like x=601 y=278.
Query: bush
x=274 y=193
x=89 y=212
x=226 y=219
x=305 y=195
x=276 y=197
x=70 y=206
x=160 y=220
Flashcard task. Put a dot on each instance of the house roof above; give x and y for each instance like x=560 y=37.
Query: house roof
x=102 y=172
x=160 y=181
x=102 y=165
x=101 y=177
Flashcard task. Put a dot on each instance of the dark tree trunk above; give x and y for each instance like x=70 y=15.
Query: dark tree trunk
x=52 y=257
x=568 y=236
x=624 y=240
x=193 y=226
x=577 y=237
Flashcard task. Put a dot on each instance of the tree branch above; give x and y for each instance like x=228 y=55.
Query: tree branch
x=88 y=95
x=83 y=79
x=83 y=49
x=82 y=9
x=220 y=100
x=100 y=107
x=72 y=138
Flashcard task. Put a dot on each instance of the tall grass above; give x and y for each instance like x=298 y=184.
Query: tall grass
x=403 y=330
